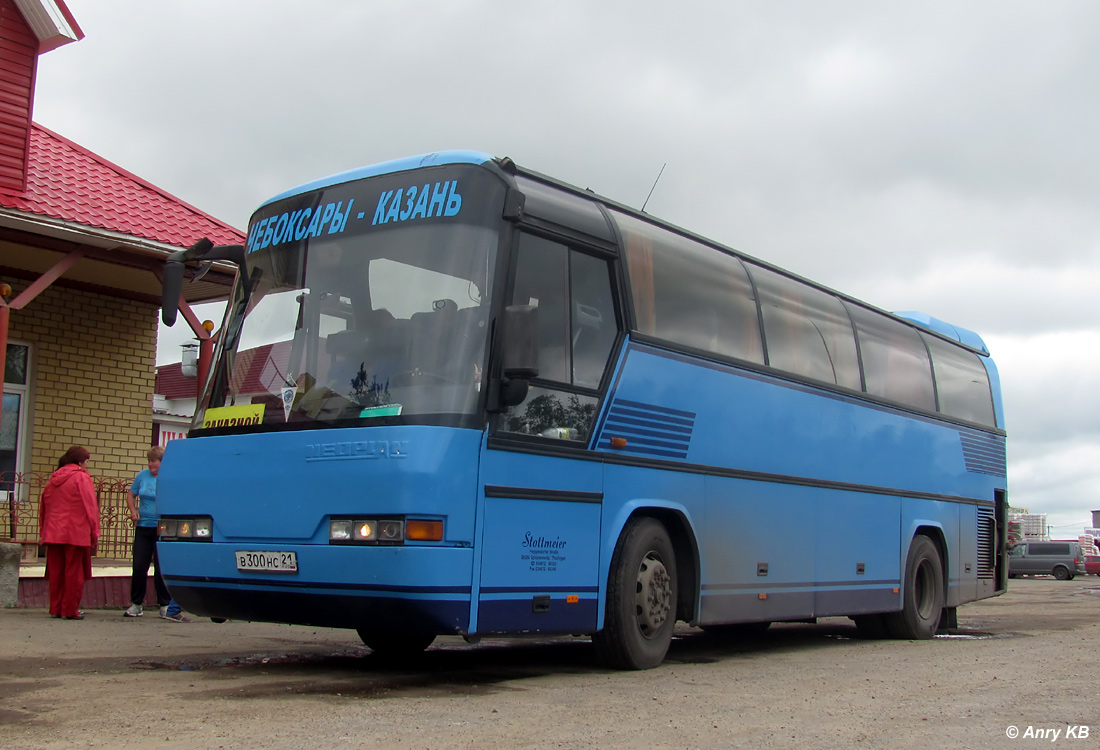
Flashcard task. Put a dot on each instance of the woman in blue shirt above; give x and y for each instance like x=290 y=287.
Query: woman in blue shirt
x=142 y=499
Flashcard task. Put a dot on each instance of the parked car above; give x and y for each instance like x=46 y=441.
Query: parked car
x=1063 y=560
x=1092 y=565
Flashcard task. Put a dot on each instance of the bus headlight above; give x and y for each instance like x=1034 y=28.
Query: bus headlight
x=357 y=530
x=386 y=530
x=193 y=529
x=381 y=531
x=390 y=531
x=339 y=531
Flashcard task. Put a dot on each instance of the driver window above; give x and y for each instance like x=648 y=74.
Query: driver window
x=572 y=292
x=542 y=281
x=577 y=330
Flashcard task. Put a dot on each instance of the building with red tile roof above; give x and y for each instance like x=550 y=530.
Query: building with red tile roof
x=82 y=247
x=68 y=184
x=74 y=197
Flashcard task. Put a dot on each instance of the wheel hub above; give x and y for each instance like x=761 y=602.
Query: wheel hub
x=653 y=597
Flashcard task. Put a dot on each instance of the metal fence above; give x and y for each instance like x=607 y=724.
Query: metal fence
x=19 y=505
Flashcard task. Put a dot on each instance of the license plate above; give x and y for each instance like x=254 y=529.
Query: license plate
x=277 y=562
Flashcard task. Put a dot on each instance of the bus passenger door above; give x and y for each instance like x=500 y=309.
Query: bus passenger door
x=542 y=501
x=539 y=555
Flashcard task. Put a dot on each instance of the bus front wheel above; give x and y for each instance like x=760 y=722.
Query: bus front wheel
x=923 y=596
x=391 y=645
x=641 y=598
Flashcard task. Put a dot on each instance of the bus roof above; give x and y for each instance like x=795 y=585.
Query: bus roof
x=956 y=333
x=433 y=159
x=436 y=158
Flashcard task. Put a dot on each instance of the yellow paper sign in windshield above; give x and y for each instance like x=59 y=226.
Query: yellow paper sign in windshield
x=233 y=416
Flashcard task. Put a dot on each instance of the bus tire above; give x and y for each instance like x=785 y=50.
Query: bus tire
x=1061 y=573
x=923 y=595
x=641 y=598
x=389 y=644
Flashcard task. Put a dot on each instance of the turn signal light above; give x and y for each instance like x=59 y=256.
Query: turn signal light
x=424 y=531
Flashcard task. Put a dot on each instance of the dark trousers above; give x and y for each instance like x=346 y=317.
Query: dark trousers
x=145 y=551
x=65 y=568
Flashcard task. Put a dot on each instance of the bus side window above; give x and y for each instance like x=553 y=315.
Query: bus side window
x=895 y=360
x=689 y=294
x=808 y=332
x=961 y=382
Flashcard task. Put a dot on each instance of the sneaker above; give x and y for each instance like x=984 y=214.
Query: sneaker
x=164 y=610
x=178 y=617
x=135 y=610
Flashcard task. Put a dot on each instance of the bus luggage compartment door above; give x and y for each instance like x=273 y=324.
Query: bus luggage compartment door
x=540 y=564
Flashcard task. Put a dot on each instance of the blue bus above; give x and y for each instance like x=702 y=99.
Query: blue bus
x=453 y=396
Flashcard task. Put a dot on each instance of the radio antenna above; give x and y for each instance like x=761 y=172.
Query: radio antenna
x=654 y=186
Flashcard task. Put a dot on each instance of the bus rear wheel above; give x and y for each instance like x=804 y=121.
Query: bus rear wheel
x=641 y=598
x=388 y=644
x=1061 y=573
x=923 y=597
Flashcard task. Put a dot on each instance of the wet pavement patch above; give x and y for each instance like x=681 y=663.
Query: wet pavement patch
x=12 y=716
x=975 y=635
x=163 y=665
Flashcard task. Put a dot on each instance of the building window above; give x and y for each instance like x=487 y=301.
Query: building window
x=14 y=411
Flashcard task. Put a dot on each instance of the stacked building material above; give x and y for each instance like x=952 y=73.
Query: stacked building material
x=1033 y=526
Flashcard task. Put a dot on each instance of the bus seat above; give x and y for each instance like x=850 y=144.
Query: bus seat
x=343 y=343
x=377 y=344
x=447 y=340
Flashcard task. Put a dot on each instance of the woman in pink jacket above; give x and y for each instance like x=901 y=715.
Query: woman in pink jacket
x=69 y=524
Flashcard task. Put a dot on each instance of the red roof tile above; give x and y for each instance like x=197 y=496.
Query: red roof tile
x=172 y=384
x=68 y=182
x=258 y=370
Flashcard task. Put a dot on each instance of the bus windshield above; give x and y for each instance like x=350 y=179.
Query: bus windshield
x=382 y=324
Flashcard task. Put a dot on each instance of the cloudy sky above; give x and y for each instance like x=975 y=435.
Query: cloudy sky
x=932 y=156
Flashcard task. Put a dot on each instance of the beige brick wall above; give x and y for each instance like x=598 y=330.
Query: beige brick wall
x=93 y=364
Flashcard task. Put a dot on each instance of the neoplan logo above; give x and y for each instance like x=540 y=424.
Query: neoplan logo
x=356 y=449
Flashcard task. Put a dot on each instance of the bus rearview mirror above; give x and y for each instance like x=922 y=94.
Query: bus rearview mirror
x=520 y=343
x=171 y=285
x=519 y=348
